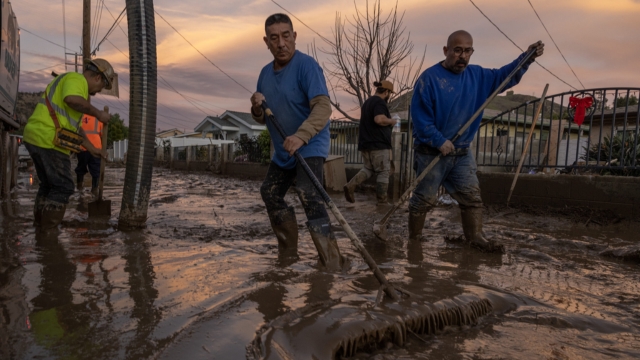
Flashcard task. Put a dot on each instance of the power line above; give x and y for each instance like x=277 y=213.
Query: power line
x=163 y=80
x=49 y=41
x=554 y=43
x=516 y=45
x=117 y=22
x=203 y=55
x=35 y=71
x=302 y=22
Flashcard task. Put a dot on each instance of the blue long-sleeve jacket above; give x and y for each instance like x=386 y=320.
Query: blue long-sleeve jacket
x=444 y=101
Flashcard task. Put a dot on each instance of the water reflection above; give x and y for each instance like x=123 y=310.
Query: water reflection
x=14 y=308
x=144 y=295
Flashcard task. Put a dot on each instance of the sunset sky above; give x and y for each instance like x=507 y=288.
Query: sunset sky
x=599 y=39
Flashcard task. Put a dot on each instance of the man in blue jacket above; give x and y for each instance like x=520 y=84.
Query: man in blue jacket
x=444 y=98
x=294 y=87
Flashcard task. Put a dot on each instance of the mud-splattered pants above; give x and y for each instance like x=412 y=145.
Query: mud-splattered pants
x=376 y=162
x=54 y=173
x=88 y=163
x=456 y=173
x=279 y=180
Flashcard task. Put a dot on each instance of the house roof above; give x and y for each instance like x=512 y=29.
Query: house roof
x=244 y=118
x=218 y=122
x=189 y=134
x=170 y=132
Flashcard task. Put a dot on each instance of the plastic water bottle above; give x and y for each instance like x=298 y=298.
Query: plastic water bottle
x=396 y=127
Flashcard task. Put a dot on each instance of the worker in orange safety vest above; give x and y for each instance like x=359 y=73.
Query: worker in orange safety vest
x=87 y=162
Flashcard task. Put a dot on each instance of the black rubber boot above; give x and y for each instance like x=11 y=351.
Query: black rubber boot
x=350 y=188
x=37 y=211
x=416 y=224
x=381 y=193
x=80 y=182
x=285 y=226
x=472 y=228
x=326 y=244
x=52 y=215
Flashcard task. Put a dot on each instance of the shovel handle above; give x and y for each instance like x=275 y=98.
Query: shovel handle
x=105 y=131
x=415 y=182
x=387 y=287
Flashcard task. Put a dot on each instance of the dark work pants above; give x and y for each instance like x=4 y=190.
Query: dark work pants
x=279 y=180
x=54 y=173
x=90 y=162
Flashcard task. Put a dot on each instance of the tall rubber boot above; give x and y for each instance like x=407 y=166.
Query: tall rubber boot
x=381 y=193
x=350 y=187
x=37 y=210
x=416 y=224
x=80 y=182
x=52 y=215
x=285 y=226
x=326 y=244
x=472 y=228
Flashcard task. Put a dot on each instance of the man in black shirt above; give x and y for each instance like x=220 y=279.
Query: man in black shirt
x=374 y=142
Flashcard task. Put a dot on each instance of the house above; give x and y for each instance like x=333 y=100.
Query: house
x=613 y=121
x=231 y=125
x=169 y=133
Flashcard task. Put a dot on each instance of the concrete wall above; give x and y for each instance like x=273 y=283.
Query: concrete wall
x=619 y=194
x=246 y=170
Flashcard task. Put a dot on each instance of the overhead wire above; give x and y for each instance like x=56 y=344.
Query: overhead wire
x=49 y=41
x=516 y=45
x=203 y=55
x=115 y=23
x=163 y=80
x=302 y=22
x=554 y=43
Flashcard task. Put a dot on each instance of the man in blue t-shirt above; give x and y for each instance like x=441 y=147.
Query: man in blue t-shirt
x=444 y=98
x=295 y=88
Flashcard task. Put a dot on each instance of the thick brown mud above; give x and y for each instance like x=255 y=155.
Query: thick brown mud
x=204 y=277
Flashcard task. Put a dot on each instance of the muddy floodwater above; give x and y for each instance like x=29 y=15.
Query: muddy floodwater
x=204 y=276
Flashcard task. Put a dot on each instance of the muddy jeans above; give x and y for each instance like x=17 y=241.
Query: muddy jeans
x=54 y=173
x=279 y=180
x=456 y=173
x=377 y=162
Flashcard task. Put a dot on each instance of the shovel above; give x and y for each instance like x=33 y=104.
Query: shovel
x=380 y=227
x=101 y=208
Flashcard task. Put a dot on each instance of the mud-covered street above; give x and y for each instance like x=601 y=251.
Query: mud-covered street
x=204 y=276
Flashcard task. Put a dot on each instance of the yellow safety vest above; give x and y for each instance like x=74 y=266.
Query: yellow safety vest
x=40 y=129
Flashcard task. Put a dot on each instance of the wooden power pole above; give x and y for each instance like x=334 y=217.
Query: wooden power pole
x=86 y=32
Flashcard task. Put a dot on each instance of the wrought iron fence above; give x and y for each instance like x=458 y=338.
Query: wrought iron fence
x=593 y=130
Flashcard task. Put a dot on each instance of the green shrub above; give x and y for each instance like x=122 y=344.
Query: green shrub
x=621 y=151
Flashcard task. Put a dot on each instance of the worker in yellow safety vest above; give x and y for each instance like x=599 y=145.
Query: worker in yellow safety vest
x=87 y=162
x=53 y=130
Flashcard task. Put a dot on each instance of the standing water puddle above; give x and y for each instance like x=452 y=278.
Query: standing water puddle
x=203 y=277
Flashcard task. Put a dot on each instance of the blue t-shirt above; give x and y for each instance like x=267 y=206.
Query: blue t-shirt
x=288 y=93
x=443 y=101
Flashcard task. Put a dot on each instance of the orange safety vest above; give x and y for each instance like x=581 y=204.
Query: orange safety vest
x=93 y=128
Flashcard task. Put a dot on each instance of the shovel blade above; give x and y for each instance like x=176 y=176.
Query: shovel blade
x=100 y=209
x=380 y=231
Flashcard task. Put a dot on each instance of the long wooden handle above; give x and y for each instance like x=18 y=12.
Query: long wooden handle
x=105 y=131
x=526 y=146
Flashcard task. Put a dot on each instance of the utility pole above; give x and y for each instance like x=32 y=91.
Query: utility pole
x=86 y=32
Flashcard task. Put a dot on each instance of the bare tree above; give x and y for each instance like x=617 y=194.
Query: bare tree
x=367 y=48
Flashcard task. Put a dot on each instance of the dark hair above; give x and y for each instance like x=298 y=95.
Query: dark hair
x=278 y=18
x=379 y=88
